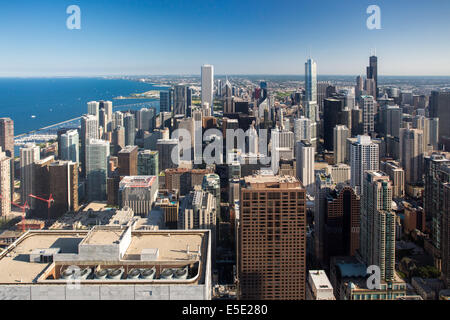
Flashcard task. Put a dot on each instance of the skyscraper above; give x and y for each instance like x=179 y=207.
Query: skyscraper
x=440 y=108
x=129 y=122
x=128 y=158
x=378 y=224
x=271 y=257
x=411 y=154
x=97 y=154
x=340 y=135
x=372 y=72
x=69 y=146
x=310 y=80
x=368 y=110
x=181 y=99
x=148 y=163
x=7 y=136
x=5 y=184
x=63 y=184
x=207 y=95
x=364 y=156
x=93 y=108
x=165 y=101
x=89 y=130
x=332 y=111
x=305 y=165
x=29 y=154
x=169 y=154
x=146 y=119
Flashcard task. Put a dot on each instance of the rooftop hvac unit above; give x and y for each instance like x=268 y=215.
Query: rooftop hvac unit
x=148 y=274
x=101 y=274
x=115 y=273
x=181 y=273
x=134 y=274
x=166 y=274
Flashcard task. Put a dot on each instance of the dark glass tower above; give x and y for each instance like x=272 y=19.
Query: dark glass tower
x=372 y=71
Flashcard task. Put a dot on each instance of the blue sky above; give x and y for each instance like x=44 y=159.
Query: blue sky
x=237 y=37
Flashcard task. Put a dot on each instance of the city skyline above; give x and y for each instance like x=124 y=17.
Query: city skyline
x=140 y=38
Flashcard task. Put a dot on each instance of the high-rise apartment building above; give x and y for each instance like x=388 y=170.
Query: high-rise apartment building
x=364 y=156
x=271 y=255
x=368 y=113
x=129 y=122
x=93 y=108
x=305 y=165
x=397 y=176
x=89 y=130
x=310 y=80
x=378 y=224
x=69 y=146
x=7 y=136
x=63 y=185
x=411 y=154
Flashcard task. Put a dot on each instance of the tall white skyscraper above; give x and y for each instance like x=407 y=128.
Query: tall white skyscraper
x=69 y=146
x=29 y=154
x=302 y=129
x=93 y=108
x=311 y=80
x=97 y=154
x=304 y=154
x=364 y=156
x=89 y=130
x=340 y=135
x=208 y=85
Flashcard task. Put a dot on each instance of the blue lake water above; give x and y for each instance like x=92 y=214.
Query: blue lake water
x=54 y=100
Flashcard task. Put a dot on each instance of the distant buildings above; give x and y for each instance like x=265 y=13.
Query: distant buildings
x=440 y=108
x=165 y=101
x=148 y=163
x=310 y=80
x=69 y=146
x=7 y=136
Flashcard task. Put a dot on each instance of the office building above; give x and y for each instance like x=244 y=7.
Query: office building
x=368 y=113
x=128 y=158
x=207 y=95
x=302 y=129
x=323 y=186
x=146 y=119
x=411 y=154
x=332 y=116
x=340 y=173
x=181 y=99
x=318 y=286
x=63 y=186
x=89 y=130
x=97 y=154
x=138 y=193
x=372 y=73
x=440 y=108
x=165 y=101
x=129 y=123
x=148 y=163
x=340 y=136
x=182 y=271
x=271 y=257
x=446 y=235
x=169 y=154
x=29 y=154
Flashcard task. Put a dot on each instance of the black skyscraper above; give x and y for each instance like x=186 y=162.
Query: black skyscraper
x=372 y=71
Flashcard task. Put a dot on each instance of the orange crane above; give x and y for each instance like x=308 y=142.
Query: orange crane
x=24 y=208
x=49 y=201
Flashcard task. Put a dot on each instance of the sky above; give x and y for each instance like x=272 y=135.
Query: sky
x=160 y=37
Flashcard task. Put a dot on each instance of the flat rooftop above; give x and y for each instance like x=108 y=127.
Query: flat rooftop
x=172 y=245
x=269 y=180
x=320 y=279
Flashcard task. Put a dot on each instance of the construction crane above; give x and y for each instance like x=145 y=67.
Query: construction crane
x=23 y=208
x=49 y=201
